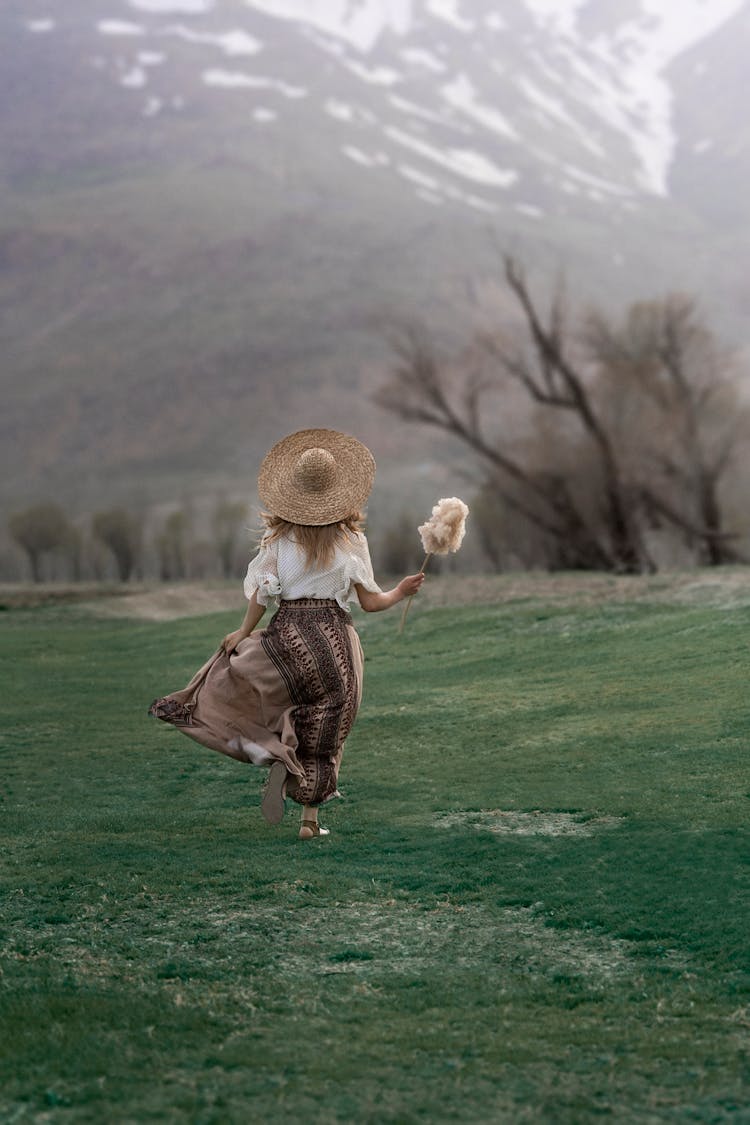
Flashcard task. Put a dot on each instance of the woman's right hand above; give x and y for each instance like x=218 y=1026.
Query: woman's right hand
x=411 y=584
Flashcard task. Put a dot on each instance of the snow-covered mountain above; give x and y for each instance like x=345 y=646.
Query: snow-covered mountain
x=236 y=188
x=465 y=100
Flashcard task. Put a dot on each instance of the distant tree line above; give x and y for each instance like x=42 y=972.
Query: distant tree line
x=114 y=544
x=602 y=444
x=628 y=434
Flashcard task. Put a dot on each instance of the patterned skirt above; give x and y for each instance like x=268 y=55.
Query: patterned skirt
x=288 y=693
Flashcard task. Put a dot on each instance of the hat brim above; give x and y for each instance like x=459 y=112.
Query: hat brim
x=354 y=476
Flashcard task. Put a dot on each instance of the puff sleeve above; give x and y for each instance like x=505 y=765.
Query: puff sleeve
x=263 y=575
x=358 y=569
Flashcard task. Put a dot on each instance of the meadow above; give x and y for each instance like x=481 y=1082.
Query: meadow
x=532 y=907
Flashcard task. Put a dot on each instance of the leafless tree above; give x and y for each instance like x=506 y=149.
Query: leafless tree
x=38 y=530
x=688 y=414
x=122 y=532
x=589 y=489
x=227 y=521
x=400 y=550
x=171 y=546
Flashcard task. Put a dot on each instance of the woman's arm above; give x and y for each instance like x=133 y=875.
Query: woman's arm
x=373 y=603
x=251 y=619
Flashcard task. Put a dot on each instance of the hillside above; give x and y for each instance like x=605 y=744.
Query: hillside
x=211 y=212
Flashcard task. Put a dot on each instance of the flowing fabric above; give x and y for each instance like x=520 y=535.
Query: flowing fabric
x=288 y=693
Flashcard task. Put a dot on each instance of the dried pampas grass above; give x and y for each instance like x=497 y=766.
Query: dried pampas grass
x=443 y=532
x=446 y=527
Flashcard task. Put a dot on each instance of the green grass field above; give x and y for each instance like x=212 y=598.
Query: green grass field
x=533 y=905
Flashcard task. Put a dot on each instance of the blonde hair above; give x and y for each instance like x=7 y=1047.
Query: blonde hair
x=318 y=543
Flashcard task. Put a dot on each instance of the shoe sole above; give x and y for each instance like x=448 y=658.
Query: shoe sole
x=272 y=804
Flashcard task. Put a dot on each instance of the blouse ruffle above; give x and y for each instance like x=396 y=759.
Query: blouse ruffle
x=262 y=575
x=355 y=570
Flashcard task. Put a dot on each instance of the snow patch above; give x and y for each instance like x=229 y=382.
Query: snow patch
x=530 y=210
x=229 y=79
x=119 y=27
x=173 y=7
x=429 y=197
x=415 y=110
x=152 y=107
x=263 y=115
x=134 y=79
x=464 y=162
x=417 y=177
x=151 y=58
x=462 y=95
x=475 y=202
x=447 y=10
x=595 y=183
x=558 y=16
x=236 y=79
x=39 y=27
x=621 y=77
x=418 y=56
x=366 y=159
x=361 y=24
x=340 y=110
x=232 y=43
x=495 y=22
x=376 y=76
x=641 y=53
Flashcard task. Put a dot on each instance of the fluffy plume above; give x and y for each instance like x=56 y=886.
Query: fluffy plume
x=443 y=532
x=446 y=527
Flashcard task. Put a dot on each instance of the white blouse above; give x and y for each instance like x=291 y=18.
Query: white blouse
x=280 y=570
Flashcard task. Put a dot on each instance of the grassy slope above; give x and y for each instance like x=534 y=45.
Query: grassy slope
x=167 y=955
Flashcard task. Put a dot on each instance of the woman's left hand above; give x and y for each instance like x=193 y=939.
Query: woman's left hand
x=230 y=642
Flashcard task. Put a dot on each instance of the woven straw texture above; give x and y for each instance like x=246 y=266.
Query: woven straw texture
x=316 y=477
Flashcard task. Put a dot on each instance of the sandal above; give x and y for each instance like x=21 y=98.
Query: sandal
x=310 y=828
x=272 y=803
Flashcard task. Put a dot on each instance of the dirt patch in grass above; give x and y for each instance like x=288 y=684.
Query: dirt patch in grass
x=23 y=595
x=725 y=588
x=170 y=602
x=535 y=823
x=397 y=938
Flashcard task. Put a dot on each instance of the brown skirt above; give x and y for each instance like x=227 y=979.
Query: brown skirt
x=289 y=693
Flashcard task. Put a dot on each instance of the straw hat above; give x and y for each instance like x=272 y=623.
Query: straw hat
x=316 y=477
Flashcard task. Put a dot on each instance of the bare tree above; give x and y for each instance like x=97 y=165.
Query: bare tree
x=74 y=551
x=38 y=530
x=171 y=546
x=687 y=404
x=400 y=550
x=228 y=520
x=122 y=533
x=584 y=490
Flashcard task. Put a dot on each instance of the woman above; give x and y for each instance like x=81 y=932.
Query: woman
x=286 y=697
